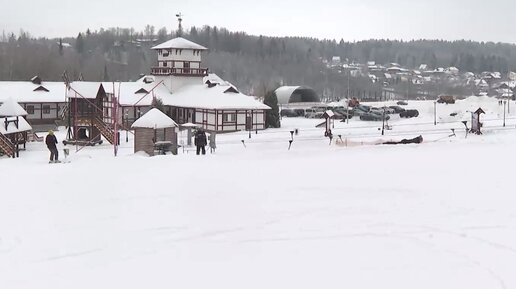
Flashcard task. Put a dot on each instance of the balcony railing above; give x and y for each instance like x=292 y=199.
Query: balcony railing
x=179 y=71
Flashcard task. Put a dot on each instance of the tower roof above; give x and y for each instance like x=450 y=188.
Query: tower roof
x=179 y=43
x=11 y=108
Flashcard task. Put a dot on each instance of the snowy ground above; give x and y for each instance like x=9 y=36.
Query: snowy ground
x=436 y=215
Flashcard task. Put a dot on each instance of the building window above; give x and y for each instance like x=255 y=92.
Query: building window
x=46 y=109
x=30 y=109
x=229 y=117
x=164 y=64
x=165 y=53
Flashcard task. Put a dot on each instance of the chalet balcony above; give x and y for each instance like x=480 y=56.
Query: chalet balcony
x=179 y=71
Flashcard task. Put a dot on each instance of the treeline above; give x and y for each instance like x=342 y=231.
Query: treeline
x=254 y=63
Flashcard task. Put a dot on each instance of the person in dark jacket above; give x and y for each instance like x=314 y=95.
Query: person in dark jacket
x=200 y=141
x=51 y=142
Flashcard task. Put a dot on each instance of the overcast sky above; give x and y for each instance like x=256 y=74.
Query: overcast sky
x=348 y=19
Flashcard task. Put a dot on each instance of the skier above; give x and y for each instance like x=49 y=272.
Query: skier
x=51 y=142
x=200 y=141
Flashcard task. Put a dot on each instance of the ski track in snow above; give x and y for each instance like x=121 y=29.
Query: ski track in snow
x=437 y=211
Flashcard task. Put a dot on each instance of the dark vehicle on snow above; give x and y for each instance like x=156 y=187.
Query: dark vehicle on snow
x=409 y=113
x=397 y=109
x=368 y=116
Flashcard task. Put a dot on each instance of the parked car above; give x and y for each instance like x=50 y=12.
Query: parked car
x=389 y=110
x=373 y=117
x=448 y=99
x=321 y=108
x=364 y=108
x=401 y=102
x=299 y=111
x=397 y=109
x=410 y=113
x=344 y=112
x=382 y=110
x=317 y=114
x=288 y=113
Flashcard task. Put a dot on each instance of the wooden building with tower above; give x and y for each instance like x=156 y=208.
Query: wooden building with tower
x=195 y=96
x=188 y=93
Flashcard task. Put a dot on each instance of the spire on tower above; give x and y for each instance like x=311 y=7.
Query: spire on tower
x=180 y=20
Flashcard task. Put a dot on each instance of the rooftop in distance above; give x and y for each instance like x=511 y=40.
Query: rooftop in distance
x=179 y=43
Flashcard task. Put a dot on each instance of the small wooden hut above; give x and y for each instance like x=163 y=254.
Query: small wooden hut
x=14 y=128
x=155 y=133
x=476 y=125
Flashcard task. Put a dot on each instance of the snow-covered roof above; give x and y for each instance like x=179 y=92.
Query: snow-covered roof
x=84 y=89
x=154 y=119
x=213 y=78
x=329 y=113
x=215 y=97
x=11 y=108
x=23 y=125
x=179 y=43
x=27 y=92
x=136 y=93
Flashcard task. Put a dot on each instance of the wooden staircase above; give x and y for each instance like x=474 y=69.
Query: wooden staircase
x=105 y=130
x=6 y=146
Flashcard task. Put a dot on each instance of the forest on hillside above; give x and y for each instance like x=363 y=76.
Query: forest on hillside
x=254 y=63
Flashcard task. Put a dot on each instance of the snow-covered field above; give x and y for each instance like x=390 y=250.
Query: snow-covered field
x=436 y=215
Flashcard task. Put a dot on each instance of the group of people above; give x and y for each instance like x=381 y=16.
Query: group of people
x=201 y=141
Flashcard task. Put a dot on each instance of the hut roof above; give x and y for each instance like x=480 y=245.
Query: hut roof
x=11 y=108
x=154 y=119
x=22 y=126
x=179 y=43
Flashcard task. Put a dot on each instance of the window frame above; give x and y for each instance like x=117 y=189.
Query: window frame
x=45 y=109
x=30 y=109
x=229 y=117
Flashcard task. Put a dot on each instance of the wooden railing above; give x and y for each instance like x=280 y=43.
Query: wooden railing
x=179 y=71
x=105 y=130
x=6 y=146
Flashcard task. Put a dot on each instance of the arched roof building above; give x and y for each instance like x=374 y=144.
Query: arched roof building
x=296 y=94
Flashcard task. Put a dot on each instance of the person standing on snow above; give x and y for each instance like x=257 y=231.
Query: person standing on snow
x=200 y=141
x=51 y=142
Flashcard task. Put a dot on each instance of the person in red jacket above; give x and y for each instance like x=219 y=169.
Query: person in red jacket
x=51 y=142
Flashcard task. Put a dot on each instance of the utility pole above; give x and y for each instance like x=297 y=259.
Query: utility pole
x=347 y=106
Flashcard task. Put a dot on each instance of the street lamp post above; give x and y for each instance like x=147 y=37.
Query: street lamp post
x=504 y=104
x=126 y=127
x=435 y=112
x=383 y=121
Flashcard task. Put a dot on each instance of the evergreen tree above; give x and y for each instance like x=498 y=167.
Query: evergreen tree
x=106 y=75
x=61 y=46
x=79 y=43
x=158 y=103
x=272 y=119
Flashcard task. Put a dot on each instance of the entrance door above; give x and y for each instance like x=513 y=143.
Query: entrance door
x=249 y=121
